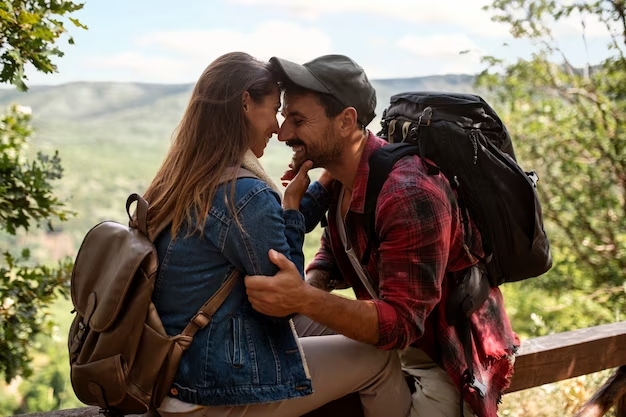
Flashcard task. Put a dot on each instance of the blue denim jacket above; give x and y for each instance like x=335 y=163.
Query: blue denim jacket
x=242 y=356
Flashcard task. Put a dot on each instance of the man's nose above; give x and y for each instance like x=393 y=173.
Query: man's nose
x=285 y=132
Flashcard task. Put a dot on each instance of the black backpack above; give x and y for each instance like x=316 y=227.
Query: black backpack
x=465 y=139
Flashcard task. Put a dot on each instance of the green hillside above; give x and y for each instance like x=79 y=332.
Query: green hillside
x=113 y=136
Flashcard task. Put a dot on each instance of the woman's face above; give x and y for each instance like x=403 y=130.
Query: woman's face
x=262 y=119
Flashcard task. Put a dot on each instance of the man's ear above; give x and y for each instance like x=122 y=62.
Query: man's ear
x=245 y=99
x=348 y=120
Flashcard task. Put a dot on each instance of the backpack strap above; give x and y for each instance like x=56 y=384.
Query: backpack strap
x=381 y=163
x=141 y=211
x=205 y=314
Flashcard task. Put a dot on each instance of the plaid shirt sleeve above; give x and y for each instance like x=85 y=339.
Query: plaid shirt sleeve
x=414 y=225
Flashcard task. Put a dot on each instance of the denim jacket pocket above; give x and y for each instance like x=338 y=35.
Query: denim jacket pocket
x=235 y=344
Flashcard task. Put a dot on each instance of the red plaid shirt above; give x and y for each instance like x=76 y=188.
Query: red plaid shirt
x=420 y=231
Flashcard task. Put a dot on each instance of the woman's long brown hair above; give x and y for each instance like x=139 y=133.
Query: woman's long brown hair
x=212 y=136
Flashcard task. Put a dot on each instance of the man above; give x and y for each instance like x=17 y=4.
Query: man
x=401 y=292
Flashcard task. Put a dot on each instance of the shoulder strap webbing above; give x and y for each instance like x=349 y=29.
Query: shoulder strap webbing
x=381 y=163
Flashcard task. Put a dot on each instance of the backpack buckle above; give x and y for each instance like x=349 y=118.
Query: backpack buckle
x=472 y=382
x=201 y=320
x=427 y=114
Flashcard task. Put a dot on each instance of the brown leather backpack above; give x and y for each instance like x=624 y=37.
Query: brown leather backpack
x=121 y=358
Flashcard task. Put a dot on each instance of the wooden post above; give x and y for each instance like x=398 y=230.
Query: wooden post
x=611 y=393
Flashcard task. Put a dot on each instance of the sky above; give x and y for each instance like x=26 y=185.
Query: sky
x=172 y=41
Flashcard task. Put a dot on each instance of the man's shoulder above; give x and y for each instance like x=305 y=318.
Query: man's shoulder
x=410 y=179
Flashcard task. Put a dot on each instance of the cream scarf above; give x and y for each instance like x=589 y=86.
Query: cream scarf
x=252 y=164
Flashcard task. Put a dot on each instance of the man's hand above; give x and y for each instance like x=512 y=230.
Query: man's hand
x=280 y=295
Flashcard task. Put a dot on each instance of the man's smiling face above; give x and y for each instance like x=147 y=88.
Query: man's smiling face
x=308 y=131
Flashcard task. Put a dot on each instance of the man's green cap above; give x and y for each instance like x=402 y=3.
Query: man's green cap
x=336 y=75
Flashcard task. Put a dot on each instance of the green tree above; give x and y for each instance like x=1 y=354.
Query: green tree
x=568 y=125
x=29 y=30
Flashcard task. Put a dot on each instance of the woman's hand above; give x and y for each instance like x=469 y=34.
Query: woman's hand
x=296 y=187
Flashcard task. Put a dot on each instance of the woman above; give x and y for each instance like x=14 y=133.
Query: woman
x=221 y=222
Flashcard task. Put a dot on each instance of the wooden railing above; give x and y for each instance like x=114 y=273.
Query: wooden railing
x=549 y=359
x=540 y=361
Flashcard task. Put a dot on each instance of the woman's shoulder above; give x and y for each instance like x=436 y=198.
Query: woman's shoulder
x=252 y=190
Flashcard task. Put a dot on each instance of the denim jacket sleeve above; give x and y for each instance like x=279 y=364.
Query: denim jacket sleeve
x=265 y=226
x=314 y=204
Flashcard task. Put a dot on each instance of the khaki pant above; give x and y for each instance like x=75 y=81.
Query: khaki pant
x=338 y=366
x=435 y=394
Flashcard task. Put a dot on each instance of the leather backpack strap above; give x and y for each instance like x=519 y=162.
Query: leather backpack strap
x=204 y=315
x=141 y=211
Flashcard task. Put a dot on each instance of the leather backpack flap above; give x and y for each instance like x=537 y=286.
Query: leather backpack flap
x=106 y=264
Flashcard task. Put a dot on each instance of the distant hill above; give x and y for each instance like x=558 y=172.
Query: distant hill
x=113 y=136
x=97 y=102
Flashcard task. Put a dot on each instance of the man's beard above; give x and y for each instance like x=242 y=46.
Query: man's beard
x=321 y=153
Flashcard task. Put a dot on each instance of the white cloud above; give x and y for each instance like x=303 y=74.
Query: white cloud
x=438 y=46
x=573 y=26
x=181 y=56
x=284 y=39
x=464 y=15
x=143 y=67
x=441 y=54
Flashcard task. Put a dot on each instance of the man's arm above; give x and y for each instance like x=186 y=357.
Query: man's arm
x=286 y=294
x=323 y=272
x=412 y=259
x=356 y=319
x=414 y=229
x=319 y=279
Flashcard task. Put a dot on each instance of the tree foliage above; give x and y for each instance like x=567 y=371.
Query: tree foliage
x=26 y=200
x=568 y=125
x=29 y=30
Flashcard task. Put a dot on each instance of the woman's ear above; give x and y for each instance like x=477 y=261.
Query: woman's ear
x=245 y=99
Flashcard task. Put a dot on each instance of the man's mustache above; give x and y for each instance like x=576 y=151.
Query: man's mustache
x=294 y=142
